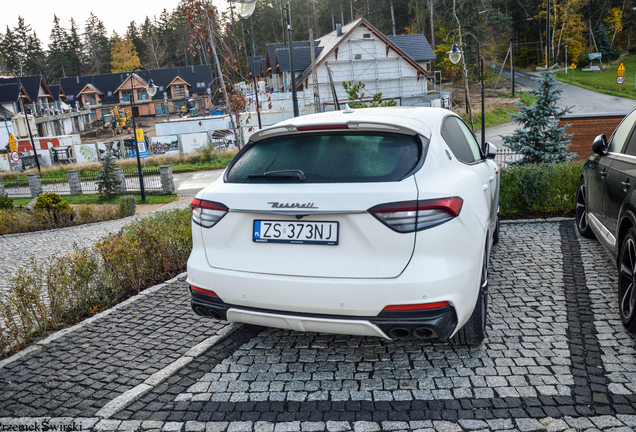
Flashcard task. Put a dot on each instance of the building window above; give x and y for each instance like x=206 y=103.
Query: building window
x=142 y=94
x=125 y=95
x=366 y=36
x=358 y=56
x=178 y=91
x=200 y=85
x=110 y=93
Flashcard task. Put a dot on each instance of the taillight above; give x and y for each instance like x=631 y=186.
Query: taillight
x=207 y=213
x=204 y=291
x=410 y=216
x=419 y=306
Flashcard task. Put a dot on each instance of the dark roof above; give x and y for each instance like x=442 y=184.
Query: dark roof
x=271 y=50
x=9 y=91
x=31 y=85
x=302 y=58
x=108 y=83
x=257 y=64
x=55 y=91
x=415 y=46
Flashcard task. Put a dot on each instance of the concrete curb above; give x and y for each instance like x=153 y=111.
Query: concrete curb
x=134 y=394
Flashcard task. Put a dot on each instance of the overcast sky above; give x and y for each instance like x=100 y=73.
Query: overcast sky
x=115 y=14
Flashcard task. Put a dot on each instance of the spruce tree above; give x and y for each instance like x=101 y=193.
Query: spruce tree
x=540 y=139
x=108 y=184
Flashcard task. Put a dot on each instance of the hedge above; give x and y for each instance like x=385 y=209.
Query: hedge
x=539 y=189
x=49 y=294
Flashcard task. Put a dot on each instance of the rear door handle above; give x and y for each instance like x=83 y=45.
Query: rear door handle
x=626 y=184
x=485 y=186
x=491 y=178
x=603 y=173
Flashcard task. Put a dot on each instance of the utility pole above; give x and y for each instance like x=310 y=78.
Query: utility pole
x=26 y=118
x=547 y=41
x=313 y=72
x=291 y=61
x=392 y=17
x=238 y=53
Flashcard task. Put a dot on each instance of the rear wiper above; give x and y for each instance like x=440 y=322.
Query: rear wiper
x=297 y=174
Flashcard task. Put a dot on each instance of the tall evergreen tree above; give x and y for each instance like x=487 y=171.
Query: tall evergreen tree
x=57 y=50
x=74 y=55
x=96 y=46
x=540 y=139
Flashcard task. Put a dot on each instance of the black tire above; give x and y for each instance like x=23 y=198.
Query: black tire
x=581 y=212
x=495 y=235
x=474 y=331
x=627 y=281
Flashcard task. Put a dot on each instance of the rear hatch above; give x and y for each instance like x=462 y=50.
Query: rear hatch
x=298 y=206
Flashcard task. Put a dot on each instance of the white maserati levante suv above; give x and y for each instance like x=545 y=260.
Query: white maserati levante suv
x=374 y=221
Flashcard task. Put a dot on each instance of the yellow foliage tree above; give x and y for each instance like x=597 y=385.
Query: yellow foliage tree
x=123 y=54
x=567 y=27
x=614 y=21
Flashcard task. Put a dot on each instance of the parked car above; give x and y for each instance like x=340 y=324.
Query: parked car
x=374 y=222
x=605 y=208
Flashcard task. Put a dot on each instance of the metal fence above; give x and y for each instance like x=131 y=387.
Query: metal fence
x=152 y=179
x=89 y=181
x=505 y=156
x=15 y=188
x=55 y=183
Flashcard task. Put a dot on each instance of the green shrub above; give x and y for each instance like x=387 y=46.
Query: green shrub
x=60 y=210
x=6 y=202
x=127 y=206
x=533 y=189
x=144 y=253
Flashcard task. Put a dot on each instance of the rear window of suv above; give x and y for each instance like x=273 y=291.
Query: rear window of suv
x=327 y=158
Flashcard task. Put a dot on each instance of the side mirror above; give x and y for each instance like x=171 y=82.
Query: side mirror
x=599 y=145
x=491 y=151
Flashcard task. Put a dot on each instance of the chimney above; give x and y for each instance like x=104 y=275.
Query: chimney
x=339 y=30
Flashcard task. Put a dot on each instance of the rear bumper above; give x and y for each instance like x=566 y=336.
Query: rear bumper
x=427 y=324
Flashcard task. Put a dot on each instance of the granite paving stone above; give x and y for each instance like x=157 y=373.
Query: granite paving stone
x=555 y=358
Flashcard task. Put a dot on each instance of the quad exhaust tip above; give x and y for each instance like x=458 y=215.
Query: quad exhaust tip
x=424 y=333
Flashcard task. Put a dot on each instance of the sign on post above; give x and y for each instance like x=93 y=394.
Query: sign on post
x=620 y=80
x=593 y=56
x=142 y=148
x=15 y=156
x=621 y=70
x=13 y=145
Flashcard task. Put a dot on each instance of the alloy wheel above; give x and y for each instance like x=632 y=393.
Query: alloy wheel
x=627 y=280
x=581 y=209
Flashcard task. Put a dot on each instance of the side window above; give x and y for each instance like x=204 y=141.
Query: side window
x=631 y=146
x=621 y=133
x=456 y=139
x=472 y=142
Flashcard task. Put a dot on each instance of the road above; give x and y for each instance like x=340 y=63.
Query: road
x=192 y=182
x=579 y=100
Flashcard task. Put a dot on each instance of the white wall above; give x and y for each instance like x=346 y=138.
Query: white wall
x=381 y=71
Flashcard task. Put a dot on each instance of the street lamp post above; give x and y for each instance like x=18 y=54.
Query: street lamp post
x=512 y=54
x=151 y=89
x=455 y=54
x=291 y=60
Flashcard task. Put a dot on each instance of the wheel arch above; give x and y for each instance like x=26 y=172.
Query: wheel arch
x=628 y=221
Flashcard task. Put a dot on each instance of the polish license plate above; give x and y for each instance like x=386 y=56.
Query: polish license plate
x=306 y=232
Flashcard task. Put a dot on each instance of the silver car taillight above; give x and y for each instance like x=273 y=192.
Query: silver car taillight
x=410 y=216
x=207 y=213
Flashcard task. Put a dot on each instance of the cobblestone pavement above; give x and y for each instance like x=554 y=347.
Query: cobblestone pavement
x=556 y=358
x=18 y=249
